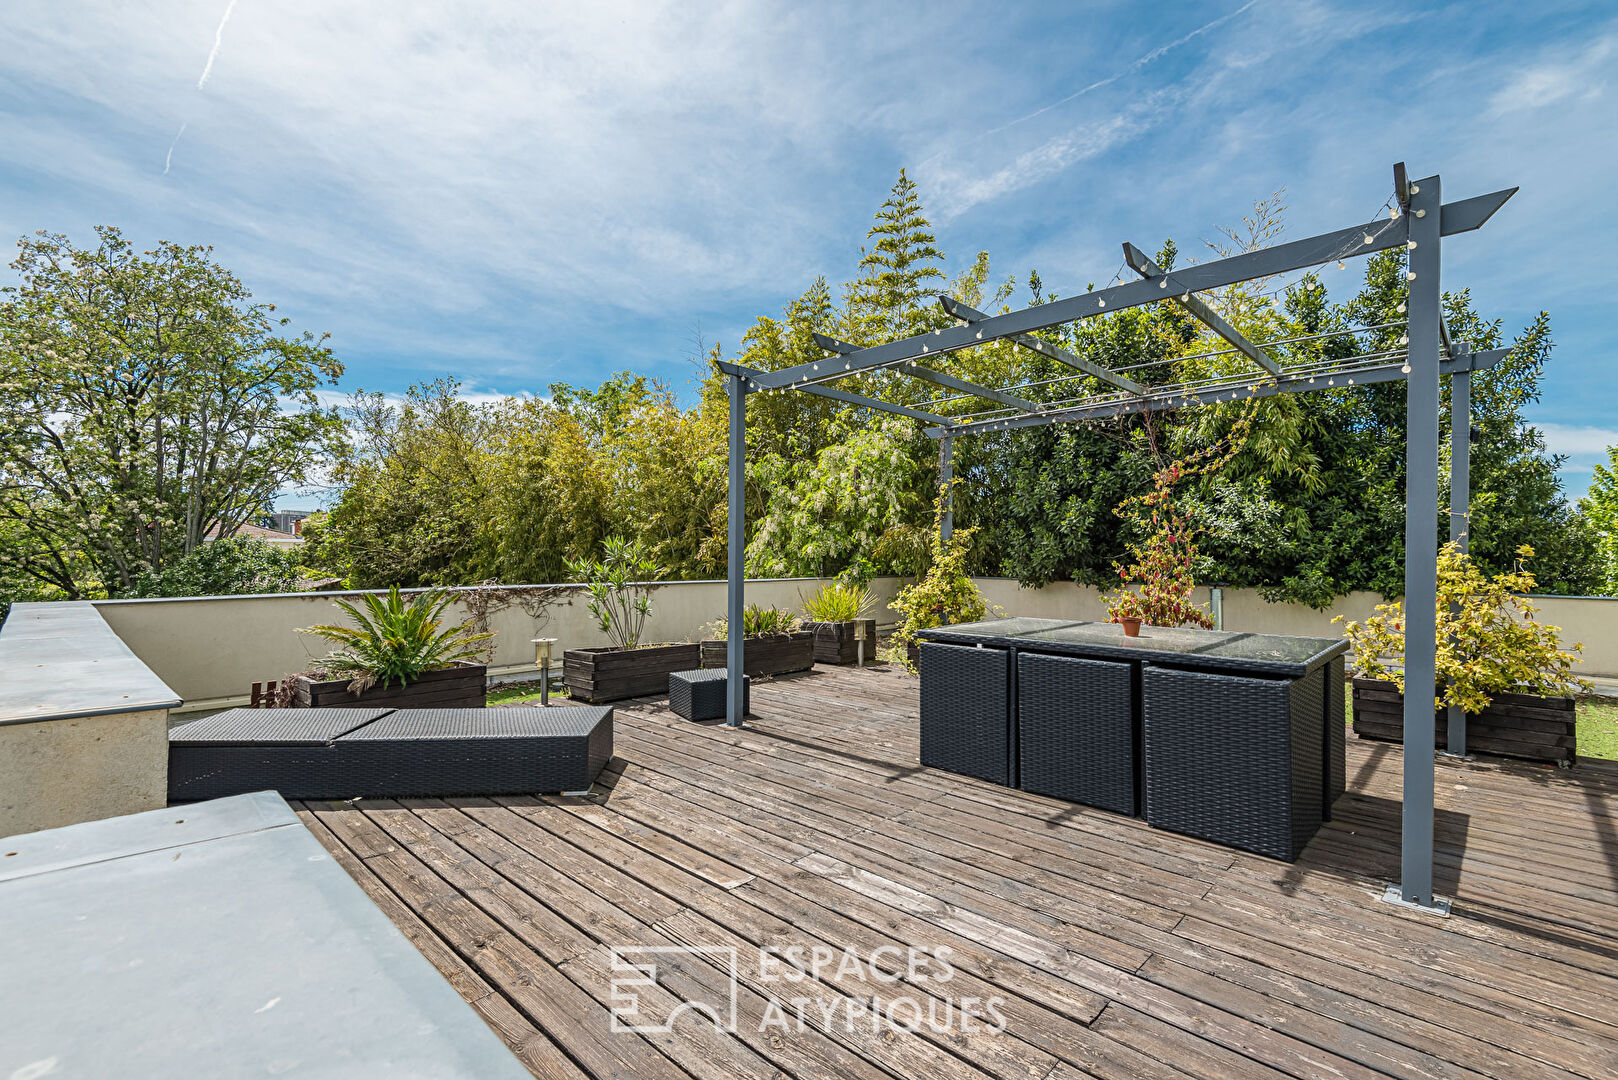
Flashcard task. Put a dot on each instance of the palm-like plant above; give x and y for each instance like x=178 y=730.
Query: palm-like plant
x=840 y=602
x=393 y=638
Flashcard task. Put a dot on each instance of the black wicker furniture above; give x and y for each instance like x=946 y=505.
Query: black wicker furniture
x=700 y=694
x=1076 y=730
x=965 y=711
x=381 y=753
x=242 y=750
x=1235 y=760
x=1063 y=705
x=478 y=751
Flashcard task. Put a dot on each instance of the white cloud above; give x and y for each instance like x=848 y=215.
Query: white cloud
x=1584 y=446
x=1555 y=78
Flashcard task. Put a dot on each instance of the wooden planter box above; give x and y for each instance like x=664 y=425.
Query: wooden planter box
x=610 y=674
x=838 y=643
x=773 y=655
x=463 y=686
x=1517 y=725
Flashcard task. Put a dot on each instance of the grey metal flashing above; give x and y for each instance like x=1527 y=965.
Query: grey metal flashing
x=220 y=939
x=60 y=660
x=968 y=314
x=1143 y=265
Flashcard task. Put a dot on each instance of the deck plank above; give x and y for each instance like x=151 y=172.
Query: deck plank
x=1115 y=950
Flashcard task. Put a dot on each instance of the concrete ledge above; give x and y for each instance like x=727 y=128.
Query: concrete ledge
x=83 y=723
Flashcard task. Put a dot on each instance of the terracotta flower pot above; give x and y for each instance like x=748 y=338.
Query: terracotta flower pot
x=1131 y=626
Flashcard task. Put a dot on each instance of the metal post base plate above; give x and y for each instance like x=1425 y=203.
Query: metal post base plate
x=585 y=794
x=1447 y=756
x=1439 y=906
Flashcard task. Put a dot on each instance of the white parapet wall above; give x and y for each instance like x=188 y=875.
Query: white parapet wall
x=212 y=649
x=83 y=722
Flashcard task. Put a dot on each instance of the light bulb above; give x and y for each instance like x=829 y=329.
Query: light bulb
x=1401 y=308
x=1404 y=339
x=1414 y=190
x=1331 y=382
x=1163 y=284
x=1369 y=239
x=1411 y=244
x=1405 y=369
x=1393 y=213
x=1421 y=213
x=1410 y=276
x=1100 y=303
x=1341 y=265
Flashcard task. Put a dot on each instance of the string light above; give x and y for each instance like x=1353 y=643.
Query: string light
x=1342 y=265
x=1410 y=244
x=1406 y=368
x=1404 y=339
x=1369 y=239
x=1411 y=276
x=1100 y=302
x=1401 y=308
x=1393 y=213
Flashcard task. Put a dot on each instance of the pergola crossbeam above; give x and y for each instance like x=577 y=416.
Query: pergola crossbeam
x=1143 y=265
x=968 y=314
x=749 y=377
x=1172 y=397
x=937 y=378
x=1367 y=239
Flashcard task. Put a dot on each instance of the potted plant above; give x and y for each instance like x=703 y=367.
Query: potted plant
x=396 y=654
x=774 y=642
x=1125 y=609
x=943 y=596
x=1507 y=672
x=620 y=585
x=838 y=618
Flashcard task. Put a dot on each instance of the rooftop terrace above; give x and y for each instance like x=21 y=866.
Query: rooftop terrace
x=1115 y=950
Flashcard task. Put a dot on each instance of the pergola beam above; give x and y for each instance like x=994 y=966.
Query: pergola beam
x=968 y=314
x=937 y=378
x=749 y=377
x=1374 y=236
x=1143 y=265
x=1171 y=398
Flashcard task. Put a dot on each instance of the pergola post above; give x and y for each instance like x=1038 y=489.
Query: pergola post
x=946 y=487
x=1460 y=506
x=736 y=564
x=1425 y=316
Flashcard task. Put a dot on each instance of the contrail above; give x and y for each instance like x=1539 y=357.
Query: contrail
x=1136 y=66
x=218 y=37
x=168 y=159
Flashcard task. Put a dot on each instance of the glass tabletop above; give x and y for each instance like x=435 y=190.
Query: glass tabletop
x=1211 y=644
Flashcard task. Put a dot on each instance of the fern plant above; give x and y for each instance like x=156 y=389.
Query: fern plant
x=394 y=639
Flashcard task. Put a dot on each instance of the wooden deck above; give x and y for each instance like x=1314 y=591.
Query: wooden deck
x=1114 y=950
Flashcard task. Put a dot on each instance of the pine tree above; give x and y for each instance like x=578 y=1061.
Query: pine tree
x=899 y=273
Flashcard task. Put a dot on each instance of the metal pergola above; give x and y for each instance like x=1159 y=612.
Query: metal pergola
x=1418 y=222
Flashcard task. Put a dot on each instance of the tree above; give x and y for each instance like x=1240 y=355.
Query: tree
x=239 y=566
x=1600 y=506
x=146 y=403
x=898 y=271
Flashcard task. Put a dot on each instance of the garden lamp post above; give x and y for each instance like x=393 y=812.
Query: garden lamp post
x=542 y=660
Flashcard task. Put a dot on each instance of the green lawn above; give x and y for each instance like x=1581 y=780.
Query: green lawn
x=513 y=693
x=1598 y=728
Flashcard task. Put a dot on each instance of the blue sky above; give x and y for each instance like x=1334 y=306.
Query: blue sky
x=522 y=193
